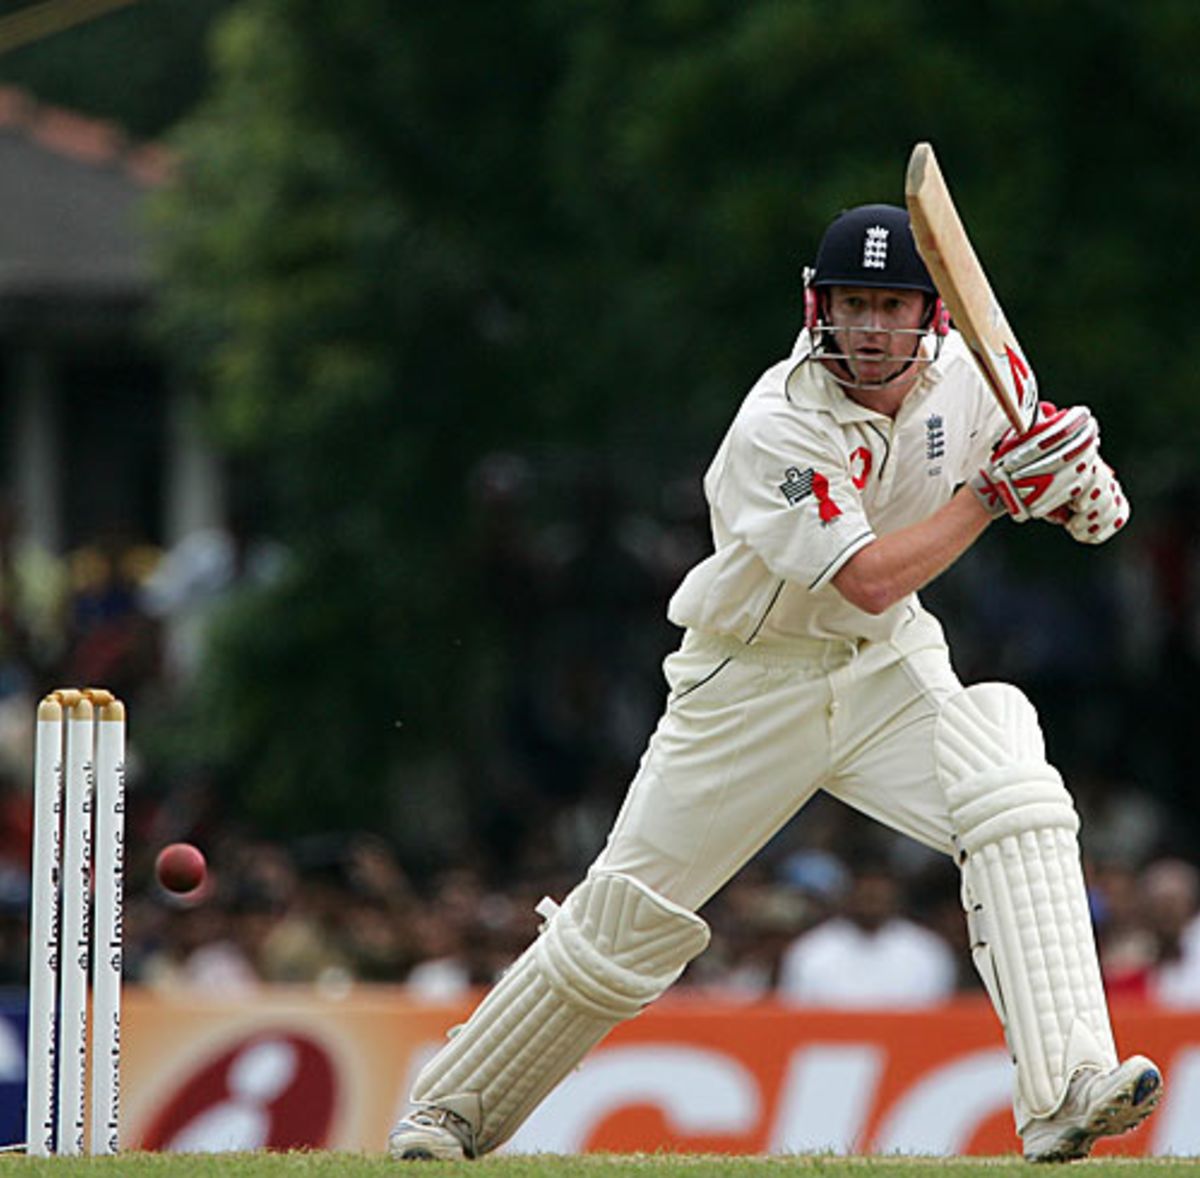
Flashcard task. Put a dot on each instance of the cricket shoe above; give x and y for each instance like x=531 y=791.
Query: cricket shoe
x=1098 y=1104
x=432 y=1134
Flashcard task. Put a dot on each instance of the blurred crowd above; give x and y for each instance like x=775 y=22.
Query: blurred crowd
x=834 y=911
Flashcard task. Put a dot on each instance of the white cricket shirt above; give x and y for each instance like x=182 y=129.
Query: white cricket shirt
x=805 y=477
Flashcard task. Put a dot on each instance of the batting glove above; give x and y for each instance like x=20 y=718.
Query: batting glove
x=1100 y=510
x=1031 y=475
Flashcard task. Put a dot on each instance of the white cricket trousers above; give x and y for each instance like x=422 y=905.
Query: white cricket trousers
x=750 y=733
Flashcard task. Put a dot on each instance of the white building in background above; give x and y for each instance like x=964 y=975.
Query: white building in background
x=94 y=433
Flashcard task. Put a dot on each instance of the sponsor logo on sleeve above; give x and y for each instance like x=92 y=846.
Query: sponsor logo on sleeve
x=799 y=484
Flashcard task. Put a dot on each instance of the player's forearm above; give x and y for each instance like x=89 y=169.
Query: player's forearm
x=893 y=566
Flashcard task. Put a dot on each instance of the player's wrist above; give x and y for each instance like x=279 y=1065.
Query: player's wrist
x=991 y=493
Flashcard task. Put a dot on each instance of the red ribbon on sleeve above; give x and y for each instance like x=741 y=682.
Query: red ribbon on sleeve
x=826 y=508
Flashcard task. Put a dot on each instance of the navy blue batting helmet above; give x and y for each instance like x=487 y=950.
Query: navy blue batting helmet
x=871 y=245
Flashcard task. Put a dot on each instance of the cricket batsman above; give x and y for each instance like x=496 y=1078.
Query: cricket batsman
x=854 y=473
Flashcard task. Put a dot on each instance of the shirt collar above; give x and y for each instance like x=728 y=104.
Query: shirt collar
x=810 y=386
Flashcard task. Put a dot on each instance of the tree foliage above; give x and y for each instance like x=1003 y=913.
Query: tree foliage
x=406 y=235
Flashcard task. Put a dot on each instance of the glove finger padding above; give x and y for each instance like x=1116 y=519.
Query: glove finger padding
x=1033 y=474
x=1101 y=509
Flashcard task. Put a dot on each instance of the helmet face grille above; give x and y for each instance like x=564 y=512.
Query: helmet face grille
x=871 y=245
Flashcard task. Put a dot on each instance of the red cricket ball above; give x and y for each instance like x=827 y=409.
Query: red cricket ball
x=180 y=867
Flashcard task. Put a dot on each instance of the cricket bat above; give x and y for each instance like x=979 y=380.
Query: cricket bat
x=964 y=287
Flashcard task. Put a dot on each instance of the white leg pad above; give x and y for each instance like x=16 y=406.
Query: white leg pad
x=1031 y=931
x=612 y=948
